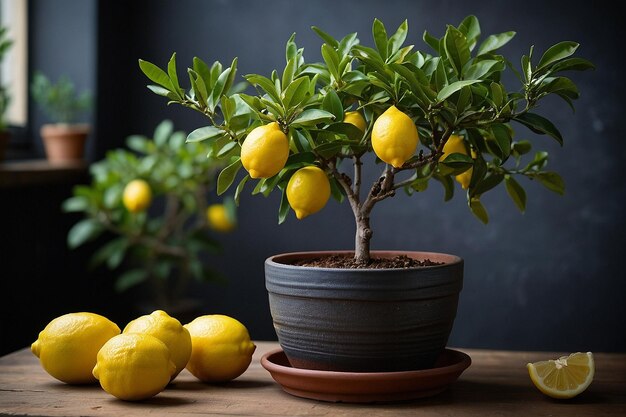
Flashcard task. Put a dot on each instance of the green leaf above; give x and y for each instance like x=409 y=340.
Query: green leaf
x=239 y=188
x=130 y=278
x=296 y=92
x=557 y=52
x=203 y=70
x=204 y=133
x=199 y=89
x=331 y=58
x=219 y=88
x=552 y=181
x=283 y=210
x=325 y=37
x=380 y=38
x=458 y=162
x=522 y=147
x=289 y=72
x=484 y=68
x=291 y=49
x=332 y=104
x=163 y=92
x=494 y=42
x=171 y=72
x=265 y=83
x=431 y=41
x=485 y=184
x=112 y=253
x=227 y=176
x=83 y=231
x=448 y=186
x=453 y=88
x=540 y=160
x=457 y=49
x=470 y=27
x=75 y=204
x=516 y=192
x=501 y=143
x=540 y=125
x=398 y=38
x=157 y=75
x=311 y=117
x=478 y=210
x=163 y=132
x=572 y=64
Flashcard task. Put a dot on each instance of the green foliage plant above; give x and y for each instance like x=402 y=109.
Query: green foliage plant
x=167 y=245
x=454 y=86
x=60 y=100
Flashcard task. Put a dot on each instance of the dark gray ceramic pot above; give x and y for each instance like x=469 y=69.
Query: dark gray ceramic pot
x=363 y=320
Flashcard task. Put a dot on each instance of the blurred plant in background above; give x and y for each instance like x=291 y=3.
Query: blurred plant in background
x=59 y=99
x=5 y=45
x=153 y=199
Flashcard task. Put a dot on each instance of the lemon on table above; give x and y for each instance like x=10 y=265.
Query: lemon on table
x=394 y=137
x=134 y=366
x=168 y=330
x=265 y=150
x=308 y=190
x=355 y=118
x=456 y=144
x=219 y=219
x=565 y=377
x=221 y=349
x=68 y=346
x=137 y=195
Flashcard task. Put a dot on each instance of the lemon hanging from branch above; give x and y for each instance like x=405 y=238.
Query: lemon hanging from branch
x=355 y=118
x=456 y=144
x=265 y=151
x=137 y=195
x=308 y=191
x=394 y=137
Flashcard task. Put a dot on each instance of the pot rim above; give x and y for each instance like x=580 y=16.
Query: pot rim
x=453 y=259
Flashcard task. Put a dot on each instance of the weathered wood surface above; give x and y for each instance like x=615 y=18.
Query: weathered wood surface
x=496 y=384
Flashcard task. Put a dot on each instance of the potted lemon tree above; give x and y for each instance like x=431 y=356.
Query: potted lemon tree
x=147 y=206
x=442 y=114
x=64 y=138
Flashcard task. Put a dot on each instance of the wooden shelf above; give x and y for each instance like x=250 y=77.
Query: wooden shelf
x=496 y=384
x=40 y=172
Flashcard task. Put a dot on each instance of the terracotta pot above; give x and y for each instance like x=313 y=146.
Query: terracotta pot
x=64 y=142
x=363 y=320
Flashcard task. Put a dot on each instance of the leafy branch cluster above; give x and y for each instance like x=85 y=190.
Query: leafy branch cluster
x=166 y=244
x=455 y=88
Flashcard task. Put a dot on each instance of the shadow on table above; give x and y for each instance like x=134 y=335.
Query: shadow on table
x=203 y=386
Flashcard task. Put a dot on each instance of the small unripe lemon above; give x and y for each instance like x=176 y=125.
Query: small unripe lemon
x=137 y=195
x=265 y=150
x=394 y=137
x=355 y=118
x=308 y=191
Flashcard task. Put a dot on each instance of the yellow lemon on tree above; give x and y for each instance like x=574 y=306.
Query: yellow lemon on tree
x=137 y=195
x=221 y=349
x=265 y=151
x=219 y=218
x=308 y=191
x=355 y=118
x=134 y=366
x=169 y=331
x=565 y=377
x=68 y=346
x=394 y=137
x=456 y=144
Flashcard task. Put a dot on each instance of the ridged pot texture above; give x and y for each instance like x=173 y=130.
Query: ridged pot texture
x=363 y=320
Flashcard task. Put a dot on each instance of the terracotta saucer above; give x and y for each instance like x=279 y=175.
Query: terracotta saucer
x=366 y=387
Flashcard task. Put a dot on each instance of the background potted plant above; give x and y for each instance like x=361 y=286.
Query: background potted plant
x=5 y=44
x=147 y=206
x=309 y=131
x=64 y=138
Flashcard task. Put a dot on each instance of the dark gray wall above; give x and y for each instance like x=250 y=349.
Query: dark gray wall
x=548 y=279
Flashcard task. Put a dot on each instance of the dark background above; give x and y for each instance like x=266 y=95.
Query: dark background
x=549 y=279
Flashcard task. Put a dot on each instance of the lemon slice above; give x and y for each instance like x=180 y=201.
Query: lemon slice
x=565 y=377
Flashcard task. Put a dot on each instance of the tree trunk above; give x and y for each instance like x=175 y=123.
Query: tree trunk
x=362 y=240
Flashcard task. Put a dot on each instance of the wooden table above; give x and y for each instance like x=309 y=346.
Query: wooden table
x=496 y=384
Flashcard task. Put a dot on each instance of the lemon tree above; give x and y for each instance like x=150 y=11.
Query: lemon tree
x=221 y=349
x=412 y=102
x=565 y=377
x=149 y=201
x=68 y=346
